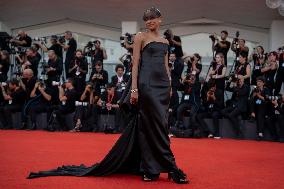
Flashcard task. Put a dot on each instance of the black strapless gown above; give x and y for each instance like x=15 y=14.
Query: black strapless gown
x=144 y=146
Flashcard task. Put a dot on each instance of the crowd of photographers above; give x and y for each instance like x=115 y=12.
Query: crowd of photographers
x=254 y=82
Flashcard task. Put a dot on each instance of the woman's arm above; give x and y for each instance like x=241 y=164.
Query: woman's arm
x=136 y=58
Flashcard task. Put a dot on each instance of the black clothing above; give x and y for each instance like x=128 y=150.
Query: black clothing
x=98 y=55
x=220 y=82
x=58 y=65
x=28 y=40
x=77 y=74
x=57 y=48
x=189 y=70
x=98 y=83
x=70 y=54
x=29 y=85
x=241 y=70
x=176 y=72
x=280 y=75
x=14 y=105
x=66 y=107
x=34 y=60
x=4 y=69
x=259 y=107
x=223 y=50
x=175 y=48
x=269 y=76
x=240 y=97
x=144 y=146
x=257 y=66
x=42 y=105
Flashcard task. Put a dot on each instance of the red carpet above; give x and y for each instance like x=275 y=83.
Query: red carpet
x=210 y=164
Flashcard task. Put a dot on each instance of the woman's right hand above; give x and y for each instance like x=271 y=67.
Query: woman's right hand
x=134 y=98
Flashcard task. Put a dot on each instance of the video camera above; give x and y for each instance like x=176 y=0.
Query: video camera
x=212 y=37
x=57 y=83
x=78 y=103
x=40 y=39
x=167 y=35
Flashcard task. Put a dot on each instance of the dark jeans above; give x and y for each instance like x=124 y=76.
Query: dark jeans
x=181 y=110
x=275 y=126
x=60 y=113
x=278 y=82
x=215 y=115
x=6 y=114
x=232 y=114
x=37 y=109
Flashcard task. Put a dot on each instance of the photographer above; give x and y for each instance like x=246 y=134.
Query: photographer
x=280 y=72
x=276 y=118
x=32 y=60
x=24 y=40
x=174 y=44
x=222 y=46
x=259 y=59
x=108 y=104
x=67 y=97
x=258 y=105
x=243 y=70
x=194 y=65
x=217 y=72
x=270 y=69
x=14 y=98
x=4 y=65
x=78 y=70
x=84 y=108
x=70 y=49
x=119 y=80
x=53 y=69
x=42 y=94
x=213 y=105
x=99 y=76
x=55 y=46
x=27 y=81
x=239 y=103
x=190 y=99
x=239 y=45
x=126 y=60
x=176 y=68
x=98 y=54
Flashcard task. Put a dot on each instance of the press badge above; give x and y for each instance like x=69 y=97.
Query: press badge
x=10 y=101
x=257 y=67
x=186 y=97
x=283 y=64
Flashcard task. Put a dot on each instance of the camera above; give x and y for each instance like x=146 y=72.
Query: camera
x=103 y=104
x=78 y=103
x=272 y=98
x=61 y=39
x=89 y=45
x=212 y=37
x=40 y=39
x=128 y=38
x=4 y=84
x=56 y=83
x=281 y=48
x=232 y=77
x=236 y=39
x=121 y=87
x=167 y=35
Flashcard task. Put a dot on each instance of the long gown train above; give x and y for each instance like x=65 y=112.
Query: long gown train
x=144 y=146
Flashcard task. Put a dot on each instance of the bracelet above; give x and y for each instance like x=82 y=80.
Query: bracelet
x=134 y=90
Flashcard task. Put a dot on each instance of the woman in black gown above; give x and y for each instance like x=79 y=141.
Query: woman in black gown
x=144 y=146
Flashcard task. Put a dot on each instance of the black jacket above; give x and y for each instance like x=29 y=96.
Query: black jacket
x=240 y=97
